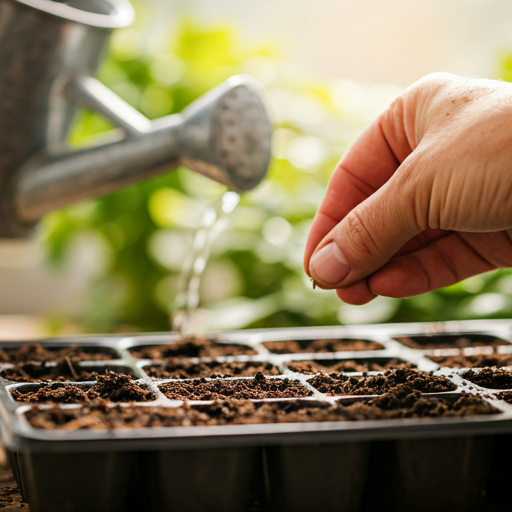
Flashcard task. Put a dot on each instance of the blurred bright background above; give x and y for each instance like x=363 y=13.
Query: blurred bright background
x=328 y=68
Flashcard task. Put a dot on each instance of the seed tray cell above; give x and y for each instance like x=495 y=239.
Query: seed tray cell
x=234 y=389
x=493 y=359
x=321 y=345
x=70 y=393
x=191 y=347
x=182 y=368
x=490 y=378
x=36 y=352
x=60 y=372
x=347 y=365
x=414 y=447
x=451 y=341
x=336 y=384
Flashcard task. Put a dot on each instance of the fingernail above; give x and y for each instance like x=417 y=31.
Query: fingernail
x=329 y=265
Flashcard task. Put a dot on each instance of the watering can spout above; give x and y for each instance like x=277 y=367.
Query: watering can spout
x=48 y=53
x=224 y=135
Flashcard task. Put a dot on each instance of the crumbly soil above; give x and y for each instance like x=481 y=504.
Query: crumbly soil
x=406 y=402
x=489 y=378
x=115 y=387
x=180 y=368
x=476 y=361
x=336 y=384
x=505 y=396
x=318 y=346
x=403 y=402
x=65 y=370
x=38 y=353
x=349 y=365
x=190 y=346
x=259 y=387
x=451 y=341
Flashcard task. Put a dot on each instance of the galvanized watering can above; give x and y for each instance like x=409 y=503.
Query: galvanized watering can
x=49 y=51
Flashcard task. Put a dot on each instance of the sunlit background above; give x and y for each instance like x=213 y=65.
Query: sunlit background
x=328 y=67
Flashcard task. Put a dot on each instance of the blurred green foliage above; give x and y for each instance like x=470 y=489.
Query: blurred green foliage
x=254 y=276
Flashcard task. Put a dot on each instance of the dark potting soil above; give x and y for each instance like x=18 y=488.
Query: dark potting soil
x=350 y=365
x=451 y=341
x=191 y=346
x=65 y=370
x=38 y=353
x=489 y=378
x=259 y=387
x=476 y=361
x=318 y=346
x=506 y=396
x=115 y=387
x=403 y=402
x=335 y=384
x=180 y=368
x=406 y=402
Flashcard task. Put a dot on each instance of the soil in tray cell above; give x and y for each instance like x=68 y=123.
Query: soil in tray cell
x=257 y=388
x=337 y=384
x=38 y=353
x=427 y=342
x=115 y=387
x=181 y=368
x=319 y=346
x=349 y=365
x=190 y=346
x=403 y=402
x=506 y=396
x=64 y=371
x=476 y=361
x=489 y=378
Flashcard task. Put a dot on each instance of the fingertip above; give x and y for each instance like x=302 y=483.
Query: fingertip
x=322 y=225
x=307 y=258
x=306 y=265
x=356 y=294
x=305 y=262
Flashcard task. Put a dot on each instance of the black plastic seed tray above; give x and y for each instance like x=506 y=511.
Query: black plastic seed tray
x=312 y=441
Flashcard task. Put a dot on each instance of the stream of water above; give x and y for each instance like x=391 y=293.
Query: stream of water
x=214 y=220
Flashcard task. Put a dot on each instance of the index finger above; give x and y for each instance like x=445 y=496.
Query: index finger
x=367 y=165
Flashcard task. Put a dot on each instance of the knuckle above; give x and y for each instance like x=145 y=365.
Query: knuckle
x=430 y=90
x=413 y=186
x=360 y=237
x=436 y=79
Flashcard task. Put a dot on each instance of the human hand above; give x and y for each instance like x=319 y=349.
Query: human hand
x=423 y=198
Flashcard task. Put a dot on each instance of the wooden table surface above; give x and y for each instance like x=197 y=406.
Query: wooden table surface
x=10 y=498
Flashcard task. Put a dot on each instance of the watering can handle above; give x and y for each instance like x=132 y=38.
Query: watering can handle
x=89 y=93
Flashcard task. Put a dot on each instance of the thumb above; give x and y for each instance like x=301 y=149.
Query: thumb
x=370 y=234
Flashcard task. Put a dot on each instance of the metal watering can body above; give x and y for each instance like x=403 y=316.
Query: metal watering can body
x=49 y=51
